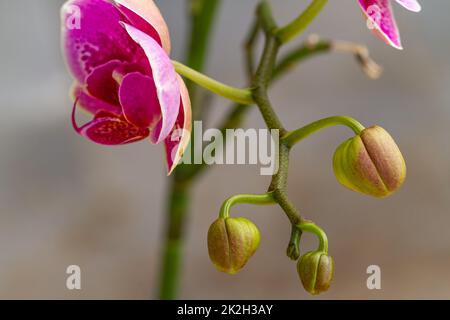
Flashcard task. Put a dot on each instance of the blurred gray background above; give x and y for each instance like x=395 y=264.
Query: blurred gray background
x=66 y=201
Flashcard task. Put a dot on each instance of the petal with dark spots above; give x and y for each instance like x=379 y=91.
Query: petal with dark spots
x=381 y=16
x=109 y=130
x=97 y=39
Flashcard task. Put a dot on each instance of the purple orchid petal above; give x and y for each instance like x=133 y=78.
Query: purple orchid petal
x=96 y=39
x=145 y=16
x=139 y=100
x=178 y=140
x=165 y=78
x=411 y=5
x=109 y=130
x=101 y=84
x=90 y=103
x=380 y=13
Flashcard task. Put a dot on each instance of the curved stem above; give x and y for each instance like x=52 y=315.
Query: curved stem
x=298 y=135
x=297 y=55
x=243 y=96
x=257 y=199
x=297 y=26
x=316 y=230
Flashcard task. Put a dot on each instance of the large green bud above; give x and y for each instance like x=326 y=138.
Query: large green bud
x=231 y=243
x=370 y=163
x=316 y=271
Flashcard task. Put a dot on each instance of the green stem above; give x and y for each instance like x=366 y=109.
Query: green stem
x=298 y=135
x=249 y=48
x=203 y=13
x=260 y=85
x=257 y=199
x=178 y=203
x=293 y=249
x=243 y=96
x=316 y=230
x=297 y=55
x=297 y=26
x=265 y=70
x=202 y=21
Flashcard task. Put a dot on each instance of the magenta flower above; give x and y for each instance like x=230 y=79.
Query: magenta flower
x=118 y=54
x=381 y=17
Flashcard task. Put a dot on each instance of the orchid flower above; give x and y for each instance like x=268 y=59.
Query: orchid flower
x=382 y=20
x=119 y=57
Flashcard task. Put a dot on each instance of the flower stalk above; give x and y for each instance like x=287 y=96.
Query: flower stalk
x=256 y=199
x=298 y=25
x=298 y=135
x=243 y=96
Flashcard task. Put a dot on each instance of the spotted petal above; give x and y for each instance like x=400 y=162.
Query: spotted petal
x=165 y=78
x=109 y=129
x=92 y=36
x=381 y=16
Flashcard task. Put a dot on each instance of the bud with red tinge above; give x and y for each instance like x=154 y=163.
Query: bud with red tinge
x=370 y=163
x=316 y=271
x=231 y=243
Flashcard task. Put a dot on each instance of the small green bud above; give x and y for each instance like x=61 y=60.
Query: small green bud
x=316 y=271
x=231 y=243
x=370 y=163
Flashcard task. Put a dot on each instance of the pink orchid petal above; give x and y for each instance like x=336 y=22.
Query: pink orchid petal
x=139 y=100
x=165 y=77
x=101 y=84
x=92 y=104
x=380 y=13
x=178 y=140
x=145 y=16
x=109 y=130
x=120 y=72
x=97 y=39
x=411 y=5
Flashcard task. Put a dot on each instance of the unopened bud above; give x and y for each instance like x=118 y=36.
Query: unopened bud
x=316 y=271
x=370 y=163
x=231 y=243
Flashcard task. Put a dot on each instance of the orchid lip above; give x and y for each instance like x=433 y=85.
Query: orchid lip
x=108 y=129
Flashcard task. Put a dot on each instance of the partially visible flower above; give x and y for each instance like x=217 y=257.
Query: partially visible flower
x=382 y=21
x=119 y=57
x=316 y=271
x=231 y=243
x=370 y=163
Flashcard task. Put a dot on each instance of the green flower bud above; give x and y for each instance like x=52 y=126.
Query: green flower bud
x=231 y=242
x=316 y=271
x=370 y=163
